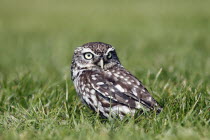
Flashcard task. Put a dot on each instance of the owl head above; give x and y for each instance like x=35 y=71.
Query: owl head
x=95 y=55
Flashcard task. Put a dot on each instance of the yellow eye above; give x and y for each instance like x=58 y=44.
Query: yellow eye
x=88 y=56
x=109 y=56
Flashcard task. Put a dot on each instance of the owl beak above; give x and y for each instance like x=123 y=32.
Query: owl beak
x=101 y=63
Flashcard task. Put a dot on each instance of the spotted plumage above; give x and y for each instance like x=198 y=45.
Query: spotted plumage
x=105 y=85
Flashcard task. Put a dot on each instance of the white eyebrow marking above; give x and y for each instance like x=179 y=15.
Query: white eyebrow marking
x=110 y=49
x=88 y=50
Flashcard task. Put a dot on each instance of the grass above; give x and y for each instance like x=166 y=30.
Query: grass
x=163 y=43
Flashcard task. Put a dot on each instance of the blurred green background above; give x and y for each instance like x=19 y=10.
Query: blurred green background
x=41 y=35
x=165 y=43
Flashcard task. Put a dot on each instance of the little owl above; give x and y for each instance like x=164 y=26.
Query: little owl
x=105 y=85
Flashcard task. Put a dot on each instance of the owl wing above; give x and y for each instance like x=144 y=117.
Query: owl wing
x=120 y=86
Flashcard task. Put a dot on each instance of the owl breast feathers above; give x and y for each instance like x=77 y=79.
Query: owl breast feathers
x=105 y=86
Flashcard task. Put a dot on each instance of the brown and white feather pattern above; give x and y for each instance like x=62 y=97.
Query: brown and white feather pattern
x=112 y=91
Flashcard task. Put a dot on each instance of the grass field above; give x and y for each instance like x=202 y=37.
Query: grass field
x=166 y=44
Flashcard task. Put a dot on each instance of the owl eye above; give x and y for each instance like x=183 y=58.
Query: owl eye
x=109 y=56
x=88 y=56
